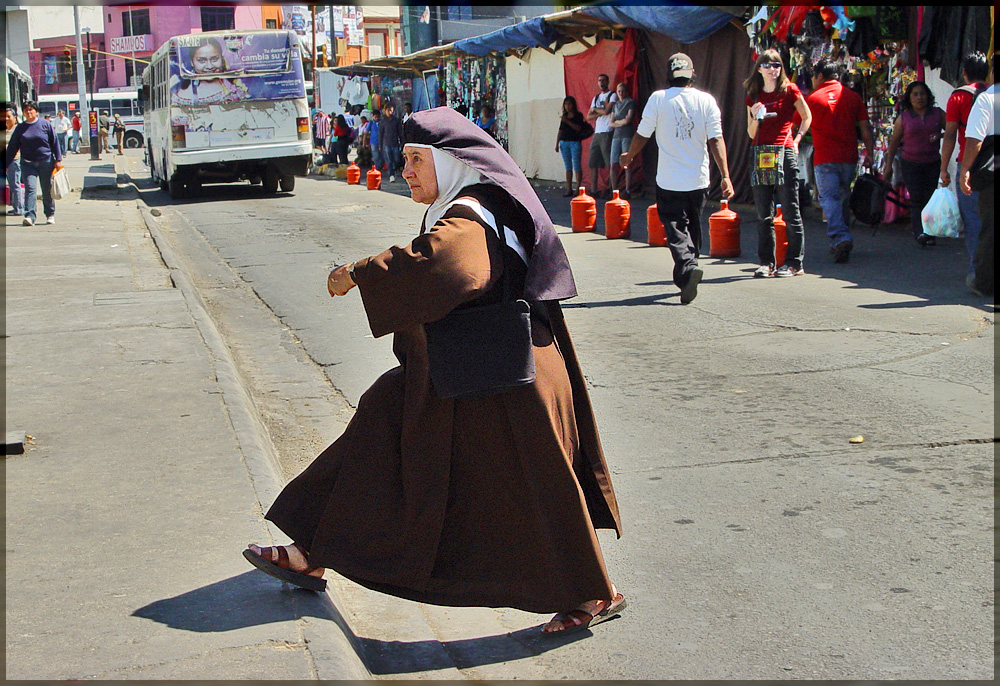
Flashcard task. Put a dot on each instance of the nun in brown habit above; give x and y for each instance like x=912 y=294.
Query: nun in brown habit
x=464 y=501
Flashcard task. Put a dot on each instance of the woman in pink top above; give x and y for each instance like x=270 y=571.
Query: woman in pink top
x=917 y=135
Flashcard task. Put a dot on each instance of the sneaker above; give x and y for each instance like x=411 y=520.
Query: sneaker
x=784 y=270
x=690 y=290
x=763 y=271
x=842 y=251
x=926 y=241
x=50 y=220
x=392 y=178
x=28 y=221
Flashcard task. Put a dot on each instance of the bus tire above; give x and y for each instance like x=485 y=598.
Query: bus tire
x=176 y=189
x=271 y=182
x=133 y=140
x=287 y=183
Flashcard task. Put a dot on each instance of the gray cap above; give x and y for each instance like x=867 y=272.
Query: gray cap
x=680 y=66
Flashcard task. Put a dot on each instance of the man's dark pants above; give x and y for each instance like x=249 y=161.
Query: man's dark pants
x=984 y=251
x=680 y=213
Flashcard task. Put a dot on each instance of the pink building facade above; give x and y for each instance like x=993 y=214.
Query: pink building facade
x=137 y=31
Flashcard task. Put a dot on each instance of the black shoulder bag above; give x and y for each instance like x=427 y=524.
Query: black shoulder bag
x=481 y=351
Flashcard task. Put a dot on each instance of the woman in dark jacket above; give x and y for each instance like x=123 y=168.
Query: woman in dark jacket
x=41 y=157
x=490 y=500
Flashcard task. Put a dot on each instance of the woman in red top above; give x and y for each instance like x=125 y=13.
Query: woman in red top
x=343 y=133
x=772 y=102
x=917 y=133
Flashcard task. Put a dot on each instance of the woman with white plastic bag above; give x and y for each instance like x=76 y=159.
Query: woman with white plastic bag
x=41 y=156
x=941 y=216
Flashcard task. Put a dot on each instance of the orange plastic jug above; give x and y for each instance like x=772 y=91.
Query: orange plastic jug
x=617 y=217
x=353 y=173
x=374 y=179
x=780 y=238
x=583 y=210
x=654 y=227
x=724 y=232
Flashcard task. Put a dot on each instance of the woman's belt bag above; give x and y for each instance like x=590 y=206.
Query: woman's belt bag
x=480 y=351
x=767 y=165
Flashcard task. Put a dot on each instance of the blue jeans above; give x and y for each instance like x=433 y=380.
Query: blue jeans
x=377 y=157
x=76 y=141
x=968 y=206
x=833 y=181
x=35 y=173
x=14 y=183
x=391 y=156
x=61 y=137
x=572 y=155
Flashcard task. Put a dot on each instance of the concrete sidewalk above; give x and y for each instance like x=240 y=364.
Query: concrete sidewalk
x=145 y=471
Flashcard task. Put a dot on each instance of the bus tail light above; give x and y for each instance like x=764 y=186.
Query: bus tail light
x=303 y=125
x=177 y=136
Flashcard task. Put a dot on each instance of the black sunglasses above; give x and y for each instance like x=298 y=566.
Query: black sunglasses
x=771 y=65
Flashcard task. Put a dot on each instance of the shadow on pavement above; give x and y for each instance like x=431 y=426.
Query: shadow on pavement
x=400 y=657
x=249 y=599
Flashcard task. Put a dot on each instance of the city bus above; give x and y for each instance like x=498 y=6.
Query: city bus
x=226 y=106
x=17 y=87
x=122 y=102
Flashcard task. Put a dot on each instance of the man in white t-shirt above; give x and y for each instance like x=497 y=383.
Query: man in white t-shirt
x=981 y=125
x=62 y=125
x=688 y=124
x=600 y=144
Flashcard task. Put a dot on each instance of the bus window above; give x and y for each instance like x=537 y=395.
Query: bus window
x=102 y=105
x=47 y=108
x=121 y=106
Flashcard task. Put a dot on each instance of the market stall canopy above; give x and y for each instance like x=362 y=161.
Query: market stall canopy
x=417 y=62
x=534 y=33
x=683 y=23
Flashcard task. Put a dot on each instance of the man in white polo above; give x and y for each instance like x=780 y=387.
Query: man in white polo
x=600 y=144
x=688 y=124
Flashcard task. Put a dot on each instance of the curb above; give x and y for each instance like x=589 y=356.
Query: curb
x=334 y=657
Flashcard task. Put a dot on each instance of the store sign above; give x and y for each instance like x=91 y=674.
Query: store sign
x=122 y=44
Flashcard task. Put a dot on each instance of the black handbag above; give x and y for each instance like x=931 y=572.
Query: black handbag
x=475 y=352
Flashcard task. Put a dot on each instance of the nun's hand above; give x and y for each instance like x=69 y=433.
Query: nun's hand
x=340 y=282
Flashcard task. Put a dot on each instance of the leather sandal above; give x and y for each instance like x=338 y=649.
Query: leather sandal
x=577 y=620
x=282 y=569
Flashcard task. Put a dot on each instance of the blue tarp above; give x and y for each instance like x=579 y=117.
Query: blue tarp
x=683 y=23
x=533 y=33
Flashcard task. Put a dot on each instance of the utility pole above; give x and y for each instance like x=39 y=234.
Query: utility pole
x=92 y=116
x=315 y=102
x=81 y=78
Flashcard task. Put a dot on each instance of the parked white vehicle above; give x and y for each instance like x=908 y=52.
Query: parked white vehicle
x=224 y=106
x=123 y=102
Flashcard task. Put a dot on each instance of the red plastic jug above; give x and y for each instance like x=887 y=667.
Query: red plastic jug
x=654 y=227
x=583 y=210
x=617 y=217
x=780 y=238
x=353 y=174
x=724 y=232
x=374 y=179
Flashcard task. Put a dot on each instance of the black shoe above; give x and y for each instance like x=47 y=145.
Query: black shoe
x=690 y=290
x=926 y=240
x=842 y=251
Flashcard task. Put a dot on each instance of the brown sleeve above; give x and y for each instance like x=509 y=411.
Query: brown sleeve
x=448 y=265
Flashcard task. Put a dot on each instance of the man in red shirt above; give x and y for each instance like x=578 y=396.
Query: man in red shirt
x=76 y=132
x=838 y=117
x=975 y=71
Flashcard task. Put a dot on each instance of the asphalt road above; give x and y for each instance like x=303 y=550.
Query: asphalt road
x=759 y=543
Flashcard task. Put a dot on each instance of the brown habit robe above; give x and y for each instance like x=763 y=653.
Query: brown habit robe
x=465 y=502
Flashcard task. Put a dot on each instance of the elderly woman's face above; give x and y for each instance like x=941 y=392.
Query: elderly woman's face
x=419 y=174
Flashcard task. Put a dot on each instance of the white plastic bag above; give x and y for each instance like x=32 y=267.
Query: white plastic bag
x=940 y=215
x=60 y=184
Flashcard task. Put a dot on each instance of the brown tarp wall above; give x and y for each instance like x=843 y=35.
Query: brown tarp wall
x=721 y=63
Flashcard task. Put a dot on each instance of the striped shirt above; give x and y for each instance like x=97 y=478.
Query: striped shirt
x=323 y=127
